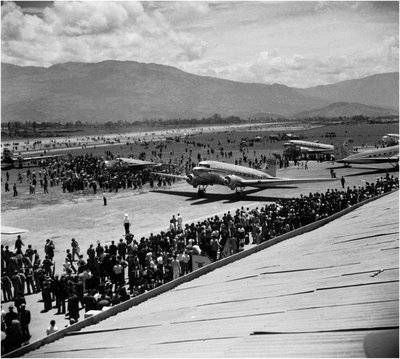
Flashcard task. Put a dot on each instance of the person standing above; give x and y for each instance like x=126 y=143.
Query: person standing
x=112 y=249
x=122 y=248
x=29 y=280
x=91 y=253
x=215 y=246
x=104 y=199
x=343 y=181
x=15 y=190
x=6 y=286
x=17 y=284
x=176 y=268
x=10 y=316
x=118 y=277
x=75 y=248
x=29 y=252
x=19 y=244
x=46 y=294
x=25 y=319
x=172 y=225
x=22 y=276
x=73 y=307
x=126 y=224
x=14 y=335
x=47 y=266
x=179 y=220
x=49 y=249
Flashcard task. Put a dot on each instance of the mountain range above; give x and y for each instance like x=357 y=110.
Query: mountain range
x=133 y=91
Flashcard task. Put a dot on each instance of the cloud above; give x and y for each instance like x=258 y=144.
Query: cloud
x=294 y=43
x=304 y=71
x=91 y=32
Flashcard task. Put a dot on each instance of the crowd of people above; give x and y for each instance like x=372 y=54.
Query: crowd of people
x=74 y=173
x=104 y=275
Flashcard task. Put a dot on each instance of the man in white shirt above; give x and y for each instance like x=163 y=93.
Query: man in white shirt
x=179 y=220
x=52 y=328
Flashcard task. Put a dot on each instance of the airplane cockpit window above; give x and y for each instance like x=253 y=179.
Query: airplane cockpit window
x=205 y=165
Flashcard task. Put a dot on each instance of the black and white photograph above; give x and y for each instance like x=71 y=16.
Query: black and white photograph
x=199 y=179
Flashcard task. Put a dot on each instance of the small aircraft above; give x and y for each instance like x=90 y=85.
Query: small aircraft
x=8 y=161
x=373 y=156
x=310 y=147
x=236 y=177
x=129 y=163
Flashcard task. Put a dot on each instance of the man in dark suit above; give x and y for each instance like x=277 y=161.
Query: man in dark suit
x=25 y=319
x=73 y=307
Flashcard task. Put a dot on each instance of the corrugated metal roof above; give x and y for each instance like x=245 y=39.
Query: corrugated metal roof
x=315 y=295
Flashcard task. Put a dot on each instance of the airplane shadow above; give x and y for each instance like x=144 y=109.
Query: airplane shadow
x=225 y=198
x=372 y=172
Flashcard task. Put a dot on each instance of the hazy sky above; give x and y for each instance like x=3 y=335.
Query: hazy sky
x=292 y=43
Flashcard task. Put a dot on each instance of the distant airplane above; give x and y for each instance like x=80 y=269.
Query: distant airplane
x=5 y=230
x=310 y=147
x=374 y=156
x=129 y=163
x=238 y=177
x=8 y=161
x=391 y=139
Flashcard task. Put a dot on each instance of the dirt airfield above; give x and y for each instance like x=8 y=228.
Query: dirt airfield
x=62 y=216
x=81 y=215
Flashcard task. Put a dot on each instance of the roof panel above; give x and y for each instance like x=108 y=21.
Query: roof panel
x=320 y=293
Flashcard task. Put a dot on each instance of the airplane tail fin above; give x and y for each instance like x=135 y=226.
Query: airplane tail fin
x=270 y=167
x=7 y=156
x=343 y=150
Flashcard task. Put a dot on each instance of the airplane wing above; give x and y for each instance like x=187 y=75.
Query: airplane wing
x=12 y=230
x=135 y=162
x=386 y=159
x=184 y=177
x=373 y=160
x=273 y=182
x=36 y=158
x=314 y=150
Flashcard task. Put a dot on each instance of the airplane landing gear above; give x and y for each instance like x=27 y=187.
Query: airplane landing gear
x=201 y=191
x=239 y=191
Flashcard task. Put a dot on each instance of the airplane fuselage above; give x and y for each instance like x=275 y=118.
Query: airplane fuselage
x=215 y=172
x=308 y=146
x=380 y=155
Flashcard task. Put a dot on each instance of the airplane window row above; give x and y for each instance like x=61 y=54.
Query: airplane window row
x=390 y=153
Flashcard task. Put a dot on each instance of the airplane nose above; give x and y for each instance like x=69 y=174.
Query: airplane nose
x=196 y=171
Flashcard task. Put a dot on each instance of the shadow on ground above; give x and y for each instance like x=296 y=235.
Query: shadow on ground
x=222 y=197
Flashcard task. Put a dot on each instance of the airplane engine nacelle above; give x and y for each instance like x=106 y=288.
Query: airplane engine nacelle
x=192 y=181
x=232 y=181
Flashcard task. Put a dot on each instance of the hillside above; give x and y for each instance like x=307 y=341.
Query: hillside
x=129 y=91
x=377 y=90
x=344 y=109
